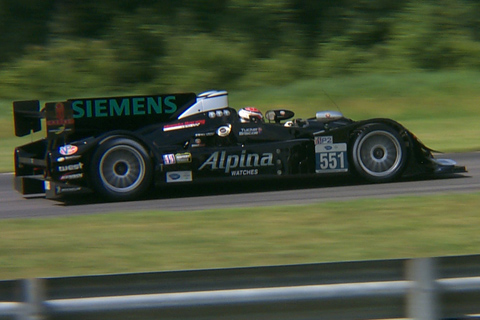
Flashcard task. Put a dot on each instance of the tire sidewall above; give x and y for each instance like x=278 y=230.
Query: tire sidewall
x=359 y=139
x=96 y=177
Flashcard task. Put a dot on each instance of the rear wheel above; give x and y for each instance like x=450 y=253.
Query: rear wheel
x=379 y=153
x=121 y=169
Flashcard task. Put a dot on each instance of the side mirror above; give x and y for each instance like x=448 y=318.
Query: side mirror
x=328 y=115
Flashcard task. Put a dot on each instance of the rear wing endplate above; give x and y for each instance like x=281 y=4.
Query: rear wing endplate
x=27 y=117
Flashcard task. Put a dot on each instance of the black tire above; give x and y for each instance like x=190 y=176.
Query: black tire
x=379 y=153
x=121 y=169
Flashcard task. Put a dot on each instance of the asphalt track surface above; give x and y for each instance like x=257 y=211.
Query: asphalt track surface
x=246 y=194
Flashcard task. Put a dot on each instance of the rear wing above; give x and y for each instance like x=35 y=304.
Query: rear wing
x=96 y=115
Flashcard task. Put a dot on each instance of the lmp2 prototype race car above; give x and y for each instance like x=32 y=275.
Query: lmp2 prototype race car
x=120 y=147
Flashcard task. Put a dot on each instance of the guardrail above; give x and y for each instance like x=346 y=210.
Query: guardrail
x=429 y=288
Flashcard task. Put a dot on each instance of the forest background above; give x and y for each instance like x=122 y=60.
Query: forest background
x=64 y=48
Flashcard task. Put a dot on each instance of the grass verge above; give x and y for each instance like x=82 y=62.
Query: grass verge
x=154 y=241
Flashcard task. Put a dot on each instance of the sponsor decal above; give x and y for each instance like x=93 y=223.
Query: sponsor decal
x=169 y=159
x=324 y=140
x=71 y=167
x=126 y=106
x=60 y=119
x=251 y=172
x=198 y=143
x=71 y=176
x=68 y=150
x=205 y=134
x=227 y=162
x=68 y=158
x=60 y=189
x=250 y=131
x=179 y=176
x=184 y=125
x=183 y=157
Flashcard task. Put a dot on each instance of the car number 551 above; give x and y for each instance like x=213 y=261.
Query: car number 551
x=331 y=158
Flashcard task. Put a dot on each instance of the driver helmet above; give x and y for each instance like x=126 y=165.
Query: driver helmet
x=250 y=114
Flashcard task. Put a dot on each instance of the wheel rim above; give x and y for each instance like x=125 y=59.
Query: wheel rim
x=122 y=169
x=379 y=153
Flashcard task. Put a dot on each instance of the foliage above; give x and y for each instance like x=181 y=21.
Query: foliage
x=438 y=35
x=65 y=48
x=63 y=66
x=202 y=62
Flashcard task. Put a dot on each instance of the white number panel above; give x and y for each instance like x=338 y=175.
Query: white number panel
x=331 y=158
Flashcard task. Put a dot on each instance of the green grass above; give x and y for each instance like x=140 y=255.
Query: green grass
x=159 y=240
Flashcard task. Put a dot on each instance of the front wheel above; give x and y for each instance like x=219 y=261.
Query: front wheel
x=121 y=169
x=379 y=153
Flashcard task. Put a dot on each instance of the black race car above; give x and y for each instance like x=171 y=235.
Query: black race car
x=119 y=147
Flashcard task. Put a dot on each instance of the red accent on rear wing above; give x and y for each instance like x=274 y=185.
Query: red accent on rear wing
x=59 y=116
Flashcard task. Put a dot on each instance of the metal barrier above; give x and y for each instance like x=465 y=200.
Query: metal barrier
x=429 y=288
